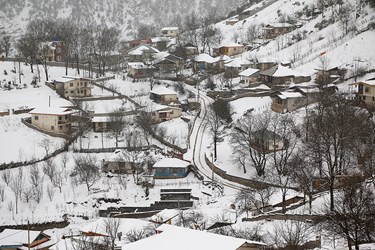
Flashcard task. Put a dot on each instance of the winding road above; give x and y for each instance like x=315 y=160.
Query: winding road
x=200 y=141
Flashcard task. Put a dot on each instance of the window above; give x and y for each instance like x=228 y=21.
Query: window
x=364 y=98
x=61 y=127
x=60 y=118
x=71 y=84
x=72 y=92
x=373 y=99
x=52 y=127
x=66 y=117
x=36 y=118
x=367 y=89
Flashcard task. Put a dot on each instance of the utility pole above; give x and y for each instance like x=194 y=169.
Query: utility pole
x=28 y=235
x=356 y=61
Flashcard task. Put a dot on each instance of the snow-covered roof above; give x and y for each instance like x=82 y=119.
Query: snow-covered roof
x=163 y=108
x=11 y=237
x=63 y=79
x=173 y=237
x=52 y=111
x=169 y=28
x=161 y=90
x=159 y=39
x=368 y=82
x=206 y=58
x=287 y=94
x=139 y=50
x=171 y=162
x=281 y=71
x=230 y=44
x=248 y=72
x=100 y=119
x=138 y=65
x=238 y=62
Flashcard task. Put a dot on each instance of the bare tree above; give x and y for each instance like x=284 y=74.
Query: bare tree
x=291 y=234
x=117 y=123
x=49 y=168
x=27 y=194
x=2 y=193
x=6 y=175
x=249 y=138
x=284 y=138
x=112 y=226
x=38 y=193
x=5 y=44
x=353 y=216
x=253 y=32
x=146 y=31
x=17 y=185
x=86 y=170
x=35 y=178
x=46 y=144
x=50 y=192
x=335 y=129
x=216 y=129
x=192 y=219
x=58 y=179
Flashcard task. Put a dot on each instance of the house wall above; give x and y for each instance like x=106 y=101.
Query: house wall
x=166 y=116
x=366 y=93
x=53 y=123
x=288 y=105
x=164 y=99
x=231 y=51
x=250 y=79
x=74 y=88
x=170 y=172
x=170 y=33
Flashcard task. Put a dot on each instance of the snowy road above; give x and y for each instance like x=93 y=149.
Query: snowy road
x=199 y=142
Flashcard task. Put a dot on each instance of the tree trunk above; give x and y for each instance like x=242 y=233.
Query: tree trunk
x=331 y=196
x=77 y=63
x=46 y=69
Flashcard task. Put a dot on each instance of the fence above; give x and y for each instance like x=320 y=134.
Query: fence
x=246 y=182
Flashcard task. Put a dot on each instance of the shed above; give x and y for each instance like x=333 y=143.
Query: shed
x=169 y=168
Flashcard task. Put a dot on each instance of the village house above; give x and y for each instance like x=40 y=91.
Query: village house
x=229 y=49
x=134 y=43
x=190 y=50
x=70 y=86
x=249 y=76
x=24 y=239
x=170 y=31
x=271 y=31
x=205 y=62
x=137 y=70
x=233 y=67
x=281 y=75
x=170 y=237
x=160 y=43
x=329 y=74
x=56 y=120
x=53 y=51
x=109 y=122
x=170 y=168
x=287 y=101
x=163 y=95
x=161 y=113
x=142 y=53
x=366 y=92
x=166 y=62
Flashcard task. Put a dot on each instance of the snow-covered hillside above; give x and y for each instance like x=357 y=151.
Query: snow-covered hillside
x=125 y=15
